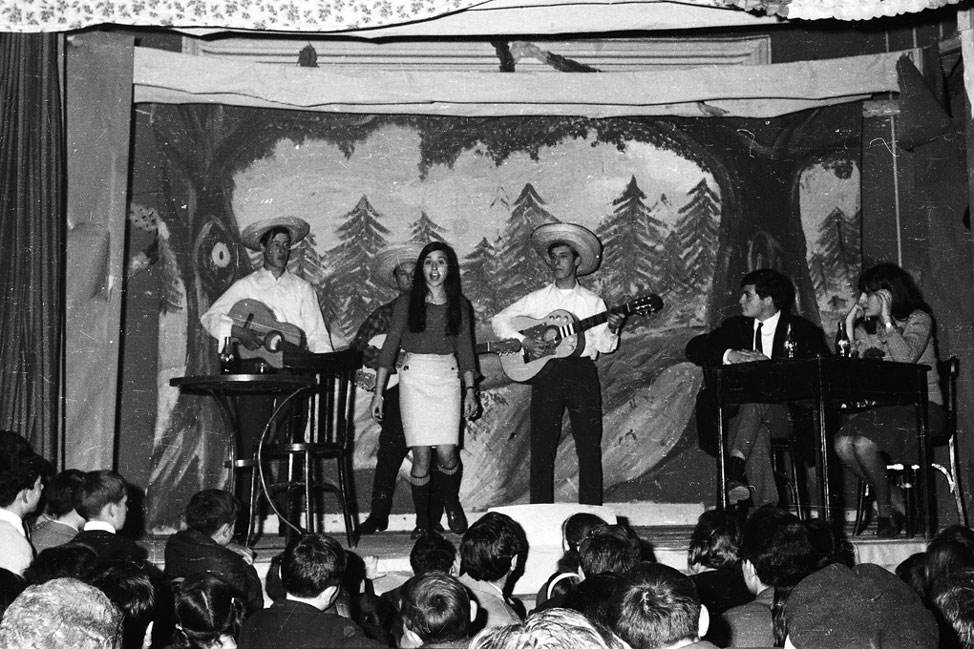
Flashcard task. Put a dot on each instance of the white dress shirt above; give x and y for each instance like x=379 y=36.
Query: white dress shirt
x=290 y=298
x=16 y=552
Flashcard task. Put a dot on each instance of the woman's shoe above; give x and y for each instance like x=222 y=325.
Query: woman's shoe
x=374 y=524
x=888 y=527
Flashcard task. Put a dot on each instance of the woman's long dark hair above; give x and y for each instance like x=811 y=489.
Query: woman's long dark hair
x=906 y=296
x=417 y=296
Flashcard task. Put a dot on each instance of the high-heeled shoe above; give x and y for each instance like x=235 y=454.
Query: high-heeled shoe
x=888 y=527
x=373 y=524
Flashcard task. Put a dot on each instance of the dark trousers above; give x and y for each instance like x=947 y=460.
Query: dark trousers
x=392 y=451
x=572 y=384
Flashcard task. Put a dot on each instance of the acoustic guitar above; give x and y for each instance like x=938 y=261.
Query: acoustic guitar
x=365 y=377
x=276 y=336
x=560 y=331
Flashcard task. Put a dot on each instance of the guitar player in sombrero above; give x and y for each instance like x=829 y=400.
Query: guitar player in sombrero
x=256 y=309
x=570 y=382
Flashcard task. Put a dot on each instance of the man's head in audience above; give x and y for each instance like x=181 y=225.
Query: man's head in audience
x=21 y=485
x=436 y=609
x=433 y=552
x=104 y=497
x=493 y=548
x=214 y=513
x=61 y=613
x=953 y=598
x=553 y=628
x=866 y=607
x=312 y=570
x=658 y=608
x=75 y=560
x=608 y=548
x=61 y=495
x=776 y=550
x=715 y=542
x=129 y=588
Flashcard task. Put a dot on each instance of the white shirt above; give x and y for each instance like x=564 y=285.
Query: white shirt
x=579 y=301
x=768 y=328
x=98 y=526
x=16 y=552
x=290 y=298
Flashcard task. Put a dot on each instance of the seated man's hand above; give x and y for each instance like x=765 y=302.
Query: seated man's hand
x=736 y=356
x=243 y=551
x=248 y=338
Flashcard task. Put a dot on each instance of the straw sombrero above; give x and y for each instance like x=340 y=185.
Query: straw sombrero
x=252 y=233
x=388 y=259
x=583 y=240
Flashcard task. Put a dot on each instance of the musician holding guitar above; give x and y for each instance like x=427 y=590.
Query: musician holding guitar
x=268 y=308
x=571 y=381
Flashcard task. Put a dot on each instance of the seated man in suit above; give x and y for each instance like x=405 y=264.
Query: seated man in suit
x=758 y=334
x=103 y=503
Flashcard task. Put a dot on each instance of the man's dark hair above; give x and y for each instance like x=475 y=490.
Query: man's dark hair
x=715 y=541
x=100 y=488
x=130 y=589
x=61 y=494
x=432 y=552
x=592 y=595
x=770 y=283
x=657 y=608
x=436 y=607
x=22 y=473
x=953 y=599
x=209 y=509
x=777 y=545
x=608 y=548
x=75 y=560
x=558 y=244
x=489 y=546
x=273 y=232
x=312 y=563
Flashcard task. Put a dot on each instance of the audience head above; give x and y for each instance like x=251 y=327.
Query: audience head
x=11 y=585
x=75 y=560
x=62 y=492
x=608 y=548
x=715 y=542
x=953 y=599
x=378 y=617
x=553 y=628
x=207 y=611
x=776 y=550
x=104 y=497
x=62 y=613
x=129 y=588
x=592 y=596
x=865 y=606
x=435 y=608
x=494 y=546
x=313 y=567
x=830 y=543
x=576 y=527
x=950 y=551
x=913 y=572
x=214 y=513
x=432 y=552
x=658 y=607
x=20 y=483
x=770 y=283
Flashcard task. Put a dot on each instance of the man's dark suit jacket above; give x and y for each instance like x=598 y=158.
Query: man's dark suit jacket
x=190 y=552
x=288 y=624
x=738 y=333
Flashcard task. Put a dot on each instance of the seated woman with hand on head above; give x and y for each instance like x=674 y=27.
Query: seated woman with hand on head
x=892 y=322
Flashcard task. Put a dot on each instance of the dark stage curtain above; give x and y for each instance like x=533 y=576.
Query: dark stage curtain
x=32 y=234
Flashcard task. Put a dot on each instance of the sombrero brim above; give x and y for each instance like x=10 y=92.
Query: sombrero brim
x=583 y=240
x=388 y=259
x=252 y=233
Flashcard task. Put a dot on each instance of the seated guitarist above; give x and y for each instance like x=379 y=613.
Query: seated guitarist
x=570 y=382
x=290 y=298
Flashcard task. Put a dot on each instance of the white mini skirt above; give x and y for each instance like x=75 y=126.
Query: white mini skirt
x=429 y=398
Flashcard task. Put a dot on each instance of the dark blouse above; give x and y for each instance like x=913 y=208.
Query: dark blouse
x=433 y=339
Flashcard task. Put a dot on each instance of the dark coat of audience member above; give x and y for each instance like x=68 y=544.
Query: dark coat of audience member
x=191 y=552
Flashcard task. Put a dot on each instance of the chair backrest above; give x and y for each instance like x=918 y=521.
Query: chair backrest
x=334 y=397
x=948 y=370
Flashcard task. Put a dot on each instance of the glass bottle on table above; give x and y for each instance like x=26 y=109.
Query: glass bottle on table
x=228 y=356
x=843 y=346
x=791 y=346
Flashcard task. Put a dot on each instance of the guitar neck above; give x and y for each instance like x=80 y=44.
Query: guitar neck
x=593 y=321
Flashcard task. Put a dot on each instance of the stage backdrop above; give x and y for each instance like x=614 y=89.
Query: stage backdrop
x=683 y=208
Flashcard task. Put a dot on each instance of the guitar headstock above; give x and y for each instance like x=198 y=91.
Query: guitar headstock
x=645 y=304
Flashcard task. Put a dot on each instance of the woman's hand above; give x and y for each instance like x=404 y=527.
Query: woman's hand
x=376 y=408
x=855 y=313
x=471 y=403
x=885 y=305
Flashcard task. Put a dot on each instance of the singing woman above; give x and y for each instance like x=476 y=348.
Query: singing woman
x=890 y=321
x=433 y=326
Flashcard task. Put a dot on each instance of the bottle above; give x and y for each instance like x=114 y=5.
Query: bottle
x=843 y=346
x=228 y=356
x=791 y=347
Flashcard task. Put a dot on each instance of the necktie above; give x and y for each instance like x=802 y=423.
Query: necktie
x=758 y=346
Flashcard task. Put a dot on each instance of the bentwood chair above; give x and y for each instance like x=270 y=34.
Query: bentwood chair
x=906 y=473
x=319 y=460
